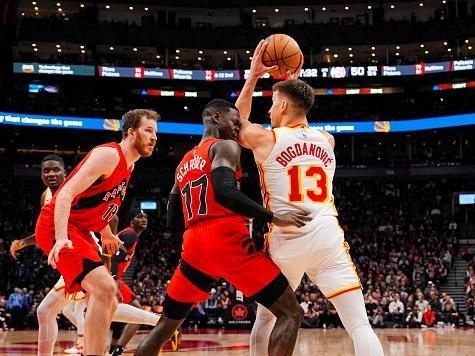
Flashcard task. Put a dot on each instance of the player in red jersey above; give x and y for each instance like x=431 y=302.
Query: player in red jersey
x=216 y=243
x=87 y=200
x=120 y=262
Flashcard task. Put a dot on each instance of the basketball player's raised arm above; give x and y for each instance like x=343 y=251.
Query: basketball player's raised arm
x=226 y=159
x=101 y=163
x=257 y=70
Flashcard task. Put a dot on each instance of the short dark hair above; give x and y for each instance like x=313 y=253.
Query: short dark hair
x=131 y=119
x=217 y=105
x=301 y=94
x=56 y=158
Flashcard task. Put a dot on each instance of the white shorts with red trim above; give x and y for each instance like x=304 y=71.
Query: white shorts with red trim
x=323 y=255
x=61 y=286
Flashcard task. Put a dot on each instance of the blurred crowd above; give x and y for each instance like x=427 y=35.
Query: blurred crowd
x=402 y=239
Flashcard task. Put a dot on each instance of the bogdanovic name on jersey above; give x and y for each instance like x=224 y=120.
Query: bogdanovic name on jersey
x=196 y=162
x=303 y=149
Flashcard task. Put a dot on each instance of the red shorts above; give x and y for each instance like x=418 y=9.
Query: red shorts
x=125 y=291
x=220 y=249
x=73 y=264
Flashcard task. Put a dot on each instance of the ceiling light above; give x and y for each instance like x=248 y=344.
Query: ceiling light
x=229 y=58
x=131 y=8
x=146 y=9
x=33 y=45
x=254 y=11
x=422 y=45
x=392 y=6
x=81 y=46
x=373 y=54
x=369 y=7
x=351 y=54
x=466 y=41
x=426 y=52
x=83 y=51
x=250 y=58
x=276 y=10
x=347 y=8
x=225 y=52
x=82 y=5
x=449 y=49
x=58 y=46
x=397 y=53
x=469 y=47
x=35 y=49
x=327 y=49
x=177 y=51
x=108 y=7
x=111 y=48
x=350 y=49
x=199 y=58
x=398 y=47
x=58 y=4
x=135 y=49
x=445 y=43
x=247 y=52
x=59 y=50
x=324 y=8
x=306 y=9
x=36 y=8
x=158 y=56
x=335 y=55
x=200 y=52
x=421 y=4
x=176 y=57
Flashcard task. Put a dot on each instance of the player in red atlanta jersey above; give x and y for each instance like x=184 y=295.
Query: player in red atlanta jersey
x=216 y=243
x=87 y=200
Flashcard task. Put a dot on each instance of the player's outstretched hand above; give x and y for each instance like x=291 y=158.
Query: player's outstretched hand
x=295 y=75
x=16 y=246
x=53 y=256
x=110 y=244
x=258 y=68
x=296 y=218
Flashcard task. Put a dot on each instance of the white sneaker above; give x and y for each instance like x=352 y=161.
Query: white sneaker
x=75 y=350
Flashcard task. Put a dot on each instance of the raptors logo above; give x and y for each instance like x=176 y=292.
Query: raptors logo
x=239 y=312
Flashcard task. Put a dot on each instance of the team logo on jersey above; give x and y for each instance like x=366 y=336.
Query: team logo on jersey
x=117 y=191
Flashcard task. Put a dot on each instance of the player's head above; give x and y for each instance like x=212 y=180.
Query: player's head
x=139 y=126
x=52 y=171
x=139 y=221
x=221 y=118
x=291 y=99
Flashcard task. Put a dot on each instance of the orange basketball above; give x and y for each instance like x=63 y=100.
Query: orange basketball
x=283 y=51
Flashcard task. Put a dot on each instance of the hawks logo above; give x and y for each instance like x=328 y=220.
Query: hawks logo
x=239 y=312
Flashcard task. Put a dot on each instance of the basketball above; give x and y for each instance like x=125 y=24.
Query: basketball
x=283 y=51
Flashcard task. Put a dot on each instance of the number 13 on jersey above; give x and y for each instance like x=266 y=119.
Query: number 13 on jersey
x=297 y=176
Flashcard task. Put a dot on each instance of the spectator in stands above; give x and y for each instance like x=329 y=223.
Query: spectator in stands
x=449 y=315
x=396 y=309
x=429 y=317
x=15 y=306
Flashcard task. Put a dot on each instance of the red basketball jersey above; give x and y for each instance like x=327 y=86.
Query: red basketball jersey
x=193 y=176
x=124 y=264
x=93 y=209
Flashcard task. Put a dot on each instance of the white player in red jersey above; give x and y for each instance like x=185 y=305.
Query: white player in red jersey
x=296 y=166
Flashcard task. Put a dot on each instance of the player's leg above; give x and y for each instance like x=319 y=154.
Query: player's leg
x=117 y=329
x=186 y=286
x=129 y=331
x=102 y=304
x=292 y=268
x=75 y=313
x=351 y=309
x=47 y=311
x=129 y=314
x=335 y=275
x=68 y=312
x=79 y=312
x=269 y=287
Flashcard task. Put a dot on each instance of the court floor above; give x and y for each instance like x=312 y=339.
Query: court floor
x=331 y=342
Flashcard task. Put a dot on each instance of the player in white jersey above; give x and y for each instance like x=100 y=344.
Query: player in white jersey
x=73 y=306
x=296 y=165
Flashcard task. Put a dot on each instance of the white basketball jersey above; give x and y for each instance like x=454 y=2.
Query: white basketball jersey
x=298 y=175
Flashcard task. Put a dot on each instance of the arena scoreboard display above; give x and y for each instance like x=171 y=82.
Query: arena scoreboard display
x=334 y=72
